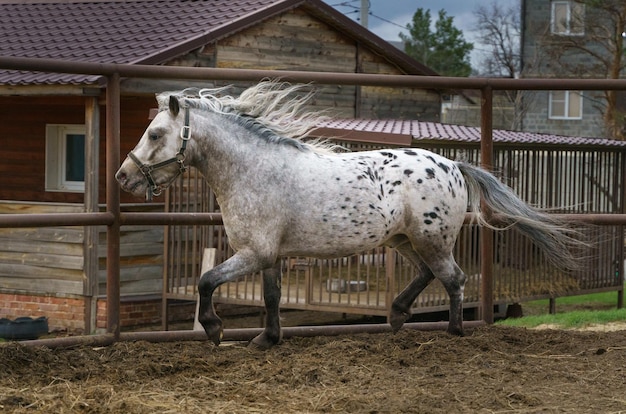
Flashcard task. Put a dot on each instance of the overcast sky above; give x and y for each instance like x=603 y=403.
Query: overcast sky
x=389 y=17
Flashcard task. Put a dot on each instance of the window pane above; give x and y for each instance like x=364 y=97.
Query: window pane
x=577 y=18
x=557 y=104
x=574 y=105
x=559 y=17
x=75 y=157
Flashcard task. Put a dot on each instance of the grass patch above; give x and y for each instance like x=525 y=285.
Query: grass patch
x=572 y=312
x=568 y=320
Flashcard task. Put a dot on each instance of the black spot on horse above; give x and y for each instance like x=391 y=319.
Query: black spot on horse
x=395 y=183
x=410 y=152
x=419 y=181
x=408 y=172
x=432 y=215
x=428 y=221
x=444 y=167
x=430 y=173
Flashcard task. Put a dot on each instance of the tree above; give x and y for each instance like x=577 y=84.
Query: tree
x=596 y=50
x=499 y=31
x=444 y=49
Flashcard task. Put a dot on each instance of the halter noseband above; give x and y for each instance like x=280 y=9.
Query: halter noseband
x=147 y=169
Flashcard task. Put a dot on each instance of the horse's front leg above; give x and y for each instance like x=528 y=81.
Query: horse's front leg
x=242 y=263
x=271 y=335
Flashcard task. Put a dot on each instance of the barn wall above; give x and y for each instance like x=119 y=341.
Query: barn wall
x=141 y=256
x=22 y=142
x=297 y=41
x=46 y=260
x=43 y=270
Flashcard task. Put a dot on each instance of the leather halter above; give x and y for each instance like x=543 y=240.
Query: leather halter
x=146 y=169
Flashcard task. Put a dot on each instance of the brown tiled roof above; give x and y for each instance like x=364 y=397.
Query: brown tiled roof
x=145 y=31
x=404 y=132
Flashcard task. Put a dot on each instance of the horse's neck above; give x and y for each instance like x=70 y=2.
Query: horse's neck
x=228 y=153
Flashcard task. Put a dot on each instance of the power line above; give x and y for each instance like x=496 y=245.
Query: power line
x=357 y=9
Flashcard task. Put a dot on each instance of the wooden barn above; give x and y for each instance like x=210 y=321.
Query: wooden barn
x=52 y=129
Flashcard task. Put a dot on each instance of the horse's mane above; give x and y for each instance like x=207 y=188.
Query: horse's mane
x=273 y=110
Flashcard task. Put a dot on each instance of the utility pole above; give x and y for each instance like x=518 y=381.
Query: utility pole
x=365 y=11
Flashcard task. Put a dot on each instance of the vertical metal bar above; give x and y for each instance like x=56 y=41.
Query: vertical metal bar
x=91 y=243
x=113 y=204
x=166 y=265
x=486 y=235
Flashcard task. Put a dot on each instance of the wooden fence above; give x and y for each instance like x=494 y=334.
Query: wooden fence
x=560 y=179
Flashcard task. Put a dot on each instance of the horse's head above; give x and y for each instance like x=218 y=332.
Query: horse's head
x=159 y=156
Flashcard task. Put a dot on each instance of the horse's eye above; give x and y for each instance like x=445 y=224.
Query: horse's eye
x=153 y=137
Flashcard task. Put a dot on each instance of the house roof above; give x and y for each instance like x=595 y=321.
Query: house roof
x=404 y=132
x=147 y=31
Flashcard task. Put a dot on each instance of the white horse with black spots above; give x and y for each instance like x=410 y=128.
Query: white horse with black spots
x=280 y=196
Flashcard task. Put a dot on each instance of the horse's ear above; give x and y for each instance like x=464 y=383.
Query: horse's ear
x=174 y=105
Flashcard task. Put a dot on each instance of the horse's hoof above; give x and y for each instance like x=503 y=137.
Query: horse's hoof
x=456 y=331
x=264 y=341
x=397 y=318
x=214 y=331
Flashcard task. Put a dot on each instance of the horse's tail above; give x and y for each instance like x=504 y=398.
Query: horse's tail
x=552 y=236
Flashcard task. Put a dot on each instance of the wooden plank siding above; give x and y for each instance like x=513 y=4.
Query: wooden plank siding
x=45 y=260
x=296 y=40
x=50 y=260
x=141 y=256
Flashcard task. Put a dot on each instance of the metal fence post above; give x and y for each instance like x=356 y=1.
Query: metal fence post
x=113 y=203
x=486 y=235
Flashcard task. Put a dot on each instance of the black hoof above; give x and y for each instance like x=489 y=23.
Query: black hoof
x=265 y=341
x=397 y=318
x=213 y=330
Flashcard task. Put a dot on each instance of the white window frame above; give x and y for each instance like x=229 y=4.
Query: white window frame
x=569 y=29
x=567 y=105
x=56 y=150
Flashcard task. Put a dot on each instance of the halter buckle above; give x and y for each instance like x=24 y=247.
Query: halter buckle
x=185 y=133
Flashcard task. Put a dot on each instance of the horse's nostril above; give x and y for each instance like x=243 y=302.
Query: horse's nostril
x=120 y=176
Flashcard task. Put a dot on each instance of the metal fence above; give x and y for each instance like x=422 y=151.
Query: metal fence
x=114 y=219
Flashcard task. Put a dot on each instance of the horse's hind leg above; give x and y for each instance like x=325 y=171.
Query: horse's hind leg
x=401 y=306
x=271 y=335
x=453 y=279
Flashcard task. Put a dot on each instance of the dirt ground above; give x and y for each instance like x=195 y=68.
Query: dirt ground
x=490 y=370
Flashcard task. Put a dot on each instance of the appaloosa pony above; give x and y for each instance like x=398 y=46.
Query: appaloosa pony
x=281 y=196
